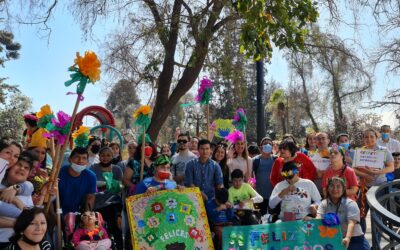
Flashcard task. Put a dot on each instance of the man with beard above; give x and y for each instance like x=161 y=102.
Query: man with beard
x=183 y=156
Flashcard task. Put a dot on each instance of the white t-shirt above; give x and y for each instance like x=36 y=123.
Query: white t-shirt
x=296 y=204
x=240 y=163
x=6 y=233
x=392 y=145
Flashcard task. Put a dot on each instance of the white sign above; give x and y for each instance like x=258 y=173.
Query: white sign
x=319 y=162
x=369 y=158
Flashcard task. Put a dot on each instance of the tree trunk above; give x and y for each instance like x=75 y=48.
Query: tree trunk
x=308 y=104
x=340 y=120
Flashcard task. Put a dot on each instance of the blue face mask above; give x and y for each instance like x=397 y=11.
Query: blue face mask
x=267 y=148
x=346 y=146
x=385 y=136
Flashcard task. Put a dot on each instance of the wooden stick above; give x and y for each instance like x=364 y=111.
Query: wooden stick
x=208 y=121
x=52 y=149
x=142 y=156
x=59 y=158
x=59 y=211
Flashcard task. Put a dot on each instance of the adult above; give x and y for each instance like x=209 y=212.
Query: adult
x=253 y=150
x=180 y=159
x=396 y=172
x=160 y=180
x=116 y=150
x=299 y=198
x=219 y=156
x=193 y=145
x=288 y=152
x=9 y=154
x=262 y=167
x=310 y=147
x=15 y=200
x=203 y=172
x=238 y=157
x=339 y=168
x=94 y=145
x=165 y=150
x=131 y=153
x=371 y=177
x=343 y=140
x=386 y=141
x=348 y=213
x=77 y=184
x=323 y=142
x=29 y=231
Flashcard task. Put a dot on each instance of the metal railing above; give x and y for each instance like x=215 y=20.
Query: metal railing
x=384 y=202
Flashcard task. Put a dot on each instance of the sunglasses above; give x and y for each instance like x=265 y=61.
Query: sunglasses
x=182 y=141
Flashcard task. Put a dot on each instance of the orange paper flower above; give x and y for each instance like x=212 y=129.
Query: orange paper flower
x=81 y=130
x=143 y=110
x=89 y=65
x=44 y=110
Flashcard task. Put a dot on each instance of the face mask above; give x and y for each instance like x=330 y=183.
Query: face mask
x=346 y=146
x=148 y=151
x=163 y=175
x=267 y=148
x=95 y=149
x=385 y=136
x=78 y=168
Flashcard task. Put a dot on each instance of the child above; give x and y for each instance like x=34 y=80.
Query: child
x=90 y=235
x=220 y=214
x=242 y=196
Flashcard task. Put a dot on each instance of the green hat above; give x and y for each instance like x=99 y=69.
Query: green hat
x=162 y=160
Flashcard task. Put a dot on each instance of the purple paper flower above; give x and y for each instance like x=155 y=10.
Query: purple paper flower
x=60 y=138
x=62 y=119
x=205 y=84
x=330 y=220
x=235 y=136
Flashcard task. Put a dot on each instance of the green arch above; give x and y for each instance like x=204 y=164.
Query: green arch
x=112 y=131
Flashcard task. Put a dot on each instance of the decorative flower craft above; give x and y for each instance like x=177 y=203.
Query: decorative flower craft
x=189 y=220
x=171 y=203
x=235 y=136
x=157 y=208
x=81 y=136
x=59 y=127
x=153 y=222
x=240 y=119
x=204 y=92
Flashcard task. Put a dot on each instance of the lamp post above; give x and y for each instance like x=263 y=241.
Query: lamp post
x=194 y=118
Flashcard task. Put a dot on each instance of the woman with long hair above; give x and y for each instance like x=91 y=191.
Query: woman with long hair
x=238 y=157
x=219 y=156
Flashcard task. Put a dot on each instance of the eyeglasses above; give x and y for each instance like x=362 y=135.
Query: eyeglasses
x=182 y=141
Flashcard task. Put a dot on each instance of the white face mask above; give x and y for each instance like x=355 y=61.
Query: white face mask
x=78 y=168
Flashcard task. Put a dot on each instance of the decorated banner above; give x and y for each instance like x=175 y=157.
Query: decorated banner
x=169 y=219
x=223 y=127
x=294 y=235
x=320 y=162
x=369 y=158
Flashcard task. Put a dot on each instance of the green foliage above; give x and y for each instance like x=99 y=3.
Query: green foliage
x=281 y=22
x=8 y=46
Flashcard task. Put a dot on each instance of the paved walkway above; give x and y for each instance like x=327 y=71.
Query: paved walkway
x=368 y=234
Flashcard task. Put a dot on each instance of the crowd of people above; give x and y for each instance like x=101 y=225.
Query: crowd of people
x=241 y=184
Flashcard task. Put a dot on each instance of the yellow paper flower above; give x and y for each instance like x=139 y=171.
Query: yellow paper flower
x=144 y=110
x=89 y=65
x=81 y=130
x=44 y=110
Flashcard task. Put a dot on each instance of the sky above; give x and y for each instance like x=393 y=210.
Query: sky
x=41 y=70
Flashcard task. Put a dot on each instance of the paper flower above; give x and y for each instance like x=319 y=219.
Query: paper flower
x=89 y=65
x=330 y=220
x=45 y=116
x=235 y=136
x=185 y=208
x=86 y=69
x=143 y=110
x=157 y=207
x=308 y=226
x=171 y=218
x=30 y=117
x=194 y=233
x=59 y=127
x=153 y=222
x=189 y=220
x=171 y=203
x=240 y=119
x=142 y=117
x=81 y=136
x=252 y=182
x=204 y=92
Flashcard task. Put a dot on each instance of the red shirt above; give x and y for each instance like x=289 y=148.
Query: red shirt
x=348 y=174
x=306 y=167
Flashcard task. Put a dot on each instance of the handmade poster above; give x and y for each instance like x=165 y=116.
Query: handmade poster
x=369 y=158
x=294 y=235
x=320 y=162
x=223 y=127
x=169 y=219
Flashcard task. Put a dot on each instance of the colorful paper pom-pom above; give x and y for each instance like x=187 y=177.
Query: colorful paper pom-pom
x=204 y=92
x=240 y=119
x=142 y=118
x=143 y=110
x=81 y=136
x=59 y=127
x=235 y=136
x=330 y=220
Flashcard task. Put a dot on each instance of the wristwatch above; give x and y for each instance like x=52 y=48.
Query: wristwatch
x=17 y=187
